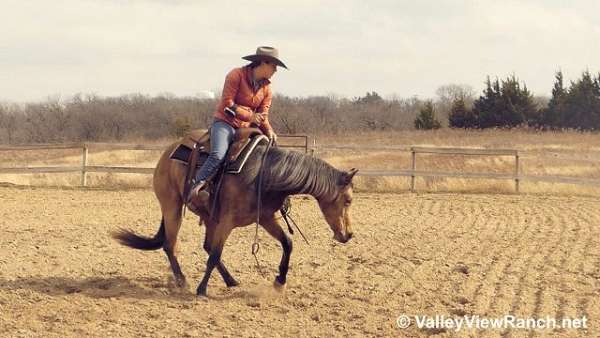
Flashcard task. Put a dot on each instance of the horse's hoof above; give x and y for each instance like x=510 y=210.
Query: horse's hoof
x=232 y=283
x=181 y=283
x=201 y=292
x=278 y=286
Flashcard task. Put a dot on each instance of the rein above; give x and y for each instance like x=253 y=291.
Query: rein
x=286 y=214
x=285 y=211
x=256 y=245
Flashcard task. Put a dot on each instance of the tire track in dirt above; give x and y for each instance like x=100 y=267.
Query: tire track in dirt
x=508 y=287
x=591 y=231
x=494 y=265
x=523 y=259
x=543 y=301
x=567 y=308
x=468 y=225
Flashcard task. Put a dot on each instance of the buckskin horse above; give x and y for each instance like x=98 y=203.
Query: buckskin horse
x=284 y=173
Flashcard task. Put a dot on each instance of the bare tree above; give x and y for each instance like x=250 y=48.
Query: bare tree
x=450 y=93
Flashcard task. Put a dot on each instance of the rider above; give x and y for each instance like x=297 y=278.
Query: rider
x=246 y=100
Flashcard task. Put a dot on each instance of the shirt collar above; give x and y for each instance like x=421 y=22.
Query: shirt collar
x=256 y=85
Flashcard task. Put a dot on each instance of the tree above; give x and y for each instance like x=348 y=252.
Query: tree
x=426 y=118
x=369 y=98
x=582 y=104
x=505 y=104
x=554 y=115
x=450 y=93
x=461 y=116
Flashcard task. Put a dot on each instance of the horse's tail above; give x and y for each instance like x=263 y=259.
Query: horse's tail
x=130 y=239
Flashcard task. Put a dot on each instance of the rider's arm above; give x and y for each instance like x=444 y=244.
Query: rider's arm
x=230 y=91
x=231 y=87
x=244 y=113
x=263 y=108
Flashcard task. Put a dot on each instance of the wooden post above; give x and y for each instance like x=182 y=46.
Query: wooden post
x=305 y=144
x=84 y=165
x=413 y=167
x=517 y=170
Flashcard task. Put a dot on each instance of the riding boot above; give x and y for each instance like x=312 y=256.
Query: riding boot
x=198 y=191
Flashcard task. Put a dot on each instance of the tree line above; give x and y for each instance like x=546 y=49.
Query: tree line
x=508 y=103
x=139 y=117
x=503 y=103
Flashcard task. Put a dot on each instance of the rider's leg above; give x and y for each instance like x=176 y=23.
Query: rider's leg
x=221 y=135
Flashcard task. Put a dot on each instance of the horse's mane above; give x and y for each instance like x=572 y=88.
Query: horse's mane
x=295 y=173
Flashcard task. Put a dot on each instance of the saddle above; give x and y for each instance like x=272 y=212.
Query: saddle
x=244 y=142
x=194 y=148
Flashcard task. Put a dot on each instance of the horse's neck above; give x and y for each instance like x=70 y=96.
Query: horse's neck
x=317 y=170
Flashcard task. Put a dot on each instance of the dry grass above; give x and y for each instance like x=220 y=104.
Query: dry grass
x=550 y=153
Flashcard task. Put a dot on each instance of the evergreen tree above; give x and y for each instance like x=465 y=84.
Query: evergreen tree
x=460 y=116
x=554 y=115
x=582 y=104
x=505 y=104
x=426 y=118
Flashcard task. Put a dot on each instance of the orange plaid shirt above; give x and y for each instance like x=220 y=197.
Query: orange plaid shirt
x=250 y=97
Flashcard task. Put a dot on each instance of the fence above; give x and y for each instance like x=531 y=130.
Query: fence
x=284 y=142
x=515 y=176
x=85 y=168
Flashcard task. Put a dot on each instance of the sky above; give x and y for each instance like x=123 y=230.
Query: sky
x=345 y=48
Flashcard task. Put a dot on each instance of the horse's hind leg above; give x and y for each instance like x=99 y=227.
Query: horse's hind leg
x=220 y=235
x=227 y=277
x=172 y=217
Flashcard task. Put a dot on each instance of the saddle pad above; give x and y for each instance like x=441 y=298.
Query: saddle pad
x=237 y=165
x=182 y=154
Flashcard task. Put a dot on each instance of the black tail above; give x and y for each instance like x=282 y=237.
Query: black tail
x=128 y=238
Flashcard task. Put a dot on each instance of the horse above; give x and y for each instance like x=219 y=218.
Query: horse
x=284 y=173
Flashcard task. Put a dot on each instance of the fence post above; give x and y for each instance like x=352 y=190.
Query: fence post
x=84 y=165
x=517 y=167
x=413 y=167
x=305 y=144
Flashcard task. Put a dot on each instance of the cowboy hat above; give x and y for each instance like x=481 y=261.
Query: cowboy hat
x=268 y=54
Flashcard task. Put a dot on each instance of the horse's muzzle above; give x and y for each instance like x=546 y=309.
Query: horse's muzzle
x=343 y=238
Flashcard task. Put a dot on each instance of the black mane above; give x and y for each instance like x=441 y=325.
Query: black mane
x=295 y=173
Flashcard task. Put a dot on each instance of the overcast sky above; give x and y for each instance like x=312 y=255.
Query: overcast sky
x=403 y=48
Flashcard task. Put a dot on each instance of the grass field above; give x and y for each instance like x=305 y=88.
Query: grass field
x=569 y=154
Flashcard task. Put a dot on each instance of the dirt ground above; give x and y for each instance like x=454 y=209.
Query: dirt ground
x=61 y=275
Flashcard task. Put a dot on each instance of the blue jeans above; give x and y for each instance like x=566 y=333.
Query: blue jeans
x=221 y=135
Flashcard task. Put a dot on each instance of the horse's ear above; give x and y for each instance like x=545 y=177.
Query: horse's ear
x=347 y=176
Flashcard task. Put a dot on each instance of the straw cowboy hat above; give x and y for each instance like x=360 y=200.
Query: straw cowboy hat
x=265 y=53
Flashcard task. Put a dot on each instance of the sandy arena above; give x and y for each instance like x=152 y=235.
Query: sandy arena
x=61 y=275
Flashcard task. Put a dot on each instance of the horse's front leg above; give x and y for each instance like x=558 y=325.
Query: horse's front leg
x=274 y=229
x=214 y=258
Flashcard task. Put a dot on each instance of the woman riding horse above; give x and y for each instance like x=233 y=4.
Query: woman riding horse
x=282 y=173
x=246 y=100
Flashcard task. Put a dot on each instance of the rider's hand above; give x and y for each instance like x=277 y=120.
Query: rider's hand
x=258 y=119
x=272 y=136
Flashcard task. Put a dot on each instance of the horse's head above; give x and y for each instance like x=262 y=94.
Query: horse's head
x=337 y=212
